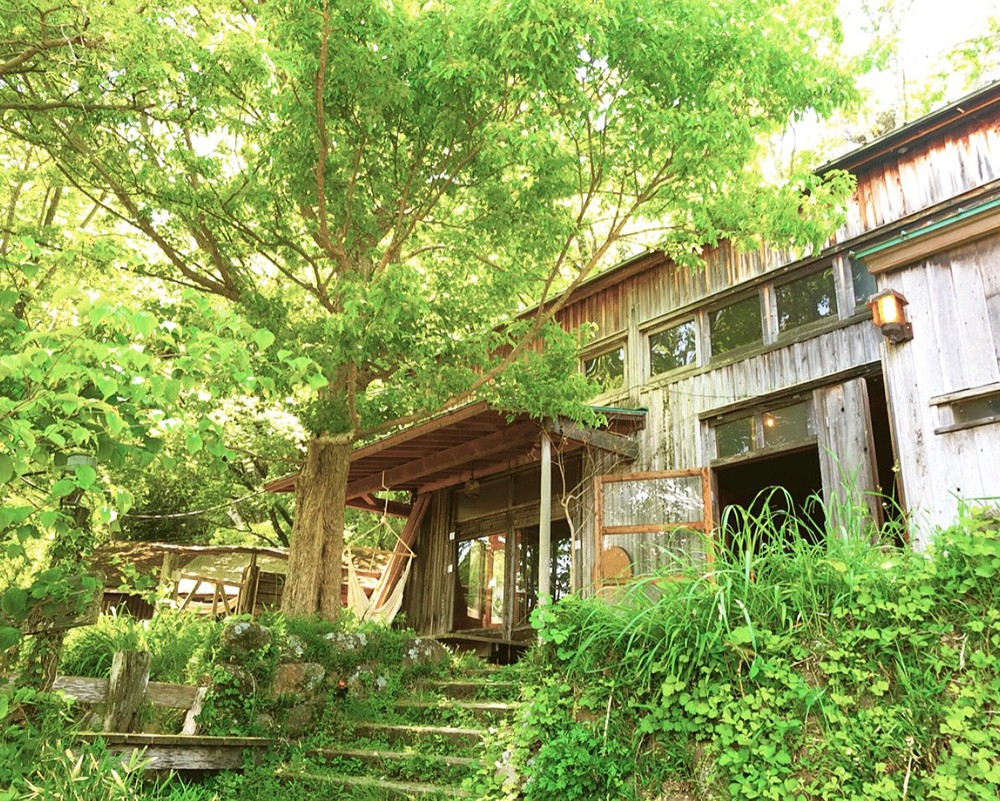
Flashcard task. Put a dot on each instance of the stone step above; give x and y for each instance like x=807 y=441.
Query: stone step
x=414 y=735
x=478 y=709
x=468 y=688
x=385 y=789
x=372 y=757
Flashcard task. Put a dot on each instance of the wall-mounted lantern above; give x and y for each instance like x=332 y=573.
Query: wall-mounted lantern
x=889 y=315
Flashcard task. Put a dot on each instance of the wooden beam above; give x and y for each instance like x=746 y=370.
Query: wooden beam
x=380 y=506
x=605 y=440
x=545 y=522
x=434 y=424
x=453 y=457
x=401 y=553
x=481 y=471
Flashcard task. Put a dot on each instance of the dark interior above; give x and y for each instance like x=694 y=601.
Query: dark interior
x=888 y=479
x=748 y=485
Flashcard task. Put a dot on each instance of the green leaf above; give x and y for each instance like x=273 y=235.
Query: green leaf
x=85 y=476
x=14 y=602
x=6 y=468
x=263 y=338
x=193 y=443
x=63 y=487
x=8 y=639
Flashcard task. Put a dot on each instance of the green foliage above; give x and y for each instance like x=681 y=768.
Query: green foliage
x=834 y=671
x=181 y=646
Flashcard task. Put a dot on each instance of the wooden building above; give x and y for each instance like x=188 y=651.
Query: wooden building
x=759 y=370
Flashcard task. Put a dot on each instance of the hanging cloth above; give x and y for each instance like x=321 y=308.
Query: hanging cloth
x=363 y=606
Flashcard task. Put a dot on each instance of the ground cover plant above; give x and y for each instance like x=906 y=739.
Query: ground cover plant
x=845 y=670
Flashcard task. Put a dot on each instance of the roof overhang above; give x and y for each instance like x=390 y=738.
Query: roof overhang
x=958 y=228
x=471 y=441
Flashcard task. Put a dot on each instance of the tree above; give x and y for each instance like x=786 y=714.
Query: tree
x=383 y=185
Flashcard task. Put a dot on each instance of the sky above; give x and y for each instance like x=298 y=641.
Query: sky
x=928 y=30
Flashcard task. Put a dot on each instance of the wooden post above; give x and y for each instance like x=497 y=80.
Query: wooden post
x=545 y=521
x=168 y=568
x=126 y=690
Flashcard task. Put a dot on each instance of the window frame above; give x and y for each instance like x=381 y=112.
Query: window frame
x=757 y=413
x=812 y=325
x=593 y=351
x=705 y=525
x=659 y=328
x=758 y=292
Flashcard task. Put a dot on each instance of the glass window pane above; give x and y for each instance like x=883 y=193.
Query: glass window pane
x=735 y=437
x=650 y=501
x=480 y=577
x=607 y=369
x=786 y=425
x=864 y=282
x=806 y=300
x=672 y=348
x=664 y=551
x=974 y=409
x=736 y=325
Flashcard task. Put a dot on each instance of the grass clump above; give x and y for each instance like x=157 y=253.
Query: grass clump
x=838 y=670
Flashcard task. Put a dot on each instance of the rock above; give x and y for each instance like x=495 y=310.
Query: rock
x=676 y=791
x=241 y=677
x=507 y=776
x=294 y=650
x=347 y=642
x=706 y=781
x=423 y=651
x=264 y=721
x=299 y=678
x=299 y=719
x=244 y=636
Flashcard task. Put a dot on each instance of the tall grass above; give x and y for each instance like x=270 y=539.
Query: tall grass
x=180 y=645
x=776 y=573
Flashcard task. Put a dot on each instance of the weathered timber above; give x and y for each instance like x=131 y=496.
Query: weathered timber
x=126 y=690
x=181 y=752
x=190 y=726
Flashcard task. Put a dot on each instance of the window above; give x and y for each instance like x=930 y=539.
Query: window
x=736 y=437
x=736 y=325
x=863 y=280
x=969 y=408
x=652 y=523
x=977 y=410
x=773 y=429
x=607 y=368
x=806 y=300
x=672 y=348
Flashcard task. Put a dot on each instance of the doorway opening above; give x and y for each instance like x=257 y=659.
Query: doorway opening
x=889 y=485
x=788 y=483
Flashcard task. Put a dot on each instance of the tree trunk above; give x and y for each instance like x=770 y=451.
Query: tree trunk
x=317 y=542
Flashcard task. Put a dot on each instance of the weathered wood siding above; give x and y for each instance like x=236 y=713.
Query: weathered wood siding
x=956 y=339
x=952 y=300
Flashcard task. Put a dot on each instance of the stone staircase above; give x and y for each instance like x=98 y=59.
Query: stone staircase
x=431 y=746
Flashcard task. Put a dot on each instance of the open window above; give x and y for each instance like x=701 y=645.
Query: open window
x=651 y=523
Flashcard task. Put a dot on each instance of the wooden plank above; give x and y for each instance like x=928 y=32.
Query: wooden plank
x=605 y=440
x=401 y=553
x=190 y=726
x=505 y=439
x=380 y=506
x=88 y=690
x=846 y=449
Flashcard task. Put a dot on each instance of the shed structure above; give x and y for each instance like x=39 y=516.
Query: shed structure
x=761 y=369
